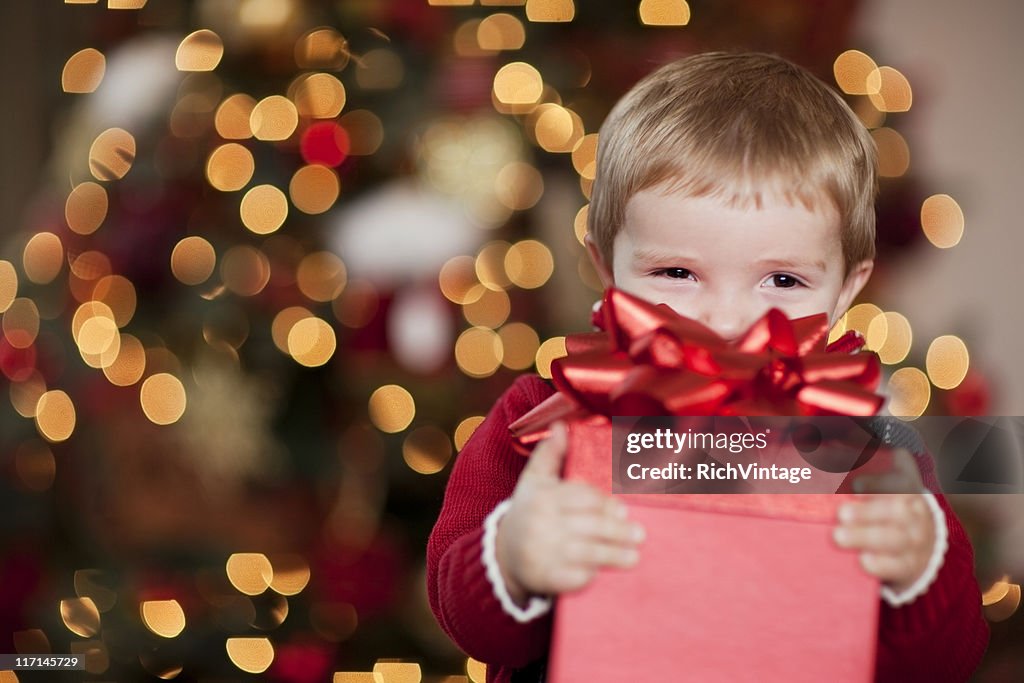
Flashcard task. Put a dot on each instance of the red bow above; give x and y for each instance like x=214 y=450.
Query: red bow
x=651 y=361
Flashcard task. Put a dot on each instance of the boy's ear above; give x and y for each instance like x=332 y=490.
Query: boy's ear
x=604 y=270
x=854 y=282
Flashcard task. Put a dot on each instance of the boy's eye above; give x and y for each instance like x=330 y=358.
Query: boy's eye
x=784 y=281
x=675 y=273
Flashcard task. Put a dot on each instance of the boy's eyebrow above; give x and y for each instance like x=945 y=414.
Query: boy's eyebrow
x=817 y=264
x=648 y=255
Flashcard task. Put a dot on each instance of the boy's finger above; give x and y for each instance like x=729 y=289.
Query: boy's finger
x=886 y=567
x=591 y=553
x=546 y=459
x=883 y=508
x=878 y=538
x=606 y=529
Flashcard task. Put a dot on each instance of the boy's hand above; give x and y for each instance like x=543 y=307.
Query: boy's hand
x=893 y=529
x=557 y=534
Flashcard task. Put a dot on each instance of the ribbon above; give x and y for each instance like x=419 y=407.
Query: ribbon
x=651 y=361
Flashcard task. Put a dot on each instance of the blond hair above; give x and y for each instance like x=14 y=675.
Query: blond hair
x=735 y=125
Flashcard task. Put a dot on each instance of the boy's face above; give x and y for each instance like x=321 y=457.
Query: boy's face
x=725 y=266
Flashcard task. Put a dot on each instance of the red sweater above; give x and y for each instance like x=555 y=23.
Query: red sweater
x=940 y=636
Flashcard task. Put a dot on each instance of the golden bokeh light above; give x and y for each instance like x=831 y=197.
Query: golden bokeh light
x=87 y=311
x=500 y=31
x=117 y=292
x=86 y=269
x=893 y=152
x=249 y=573
x=478 y=352
x=426 y=450
x=370 y=676
x=193 y=260
x=291 y=574
x=889 y=90
x=230 y=167
x=851 y=70
x=490 y=309
x=584 y=157
x=518 y=84
x=450 y=3
x=490 y=265
x=391 y=408
x=250 y=654
x=457 y=280
x=529 y=264
x=579 y=223
x=947 y=361
x=520 y=342
x=163 y=398
x=320 y=96
x=86 y=208
x=126 y=4
x=889 y=335
x=80 y=616
x=380 y=69
x=9 y=284
x=233 y=118
x=838 y=330
x=909 y=392
x=43 y=258
x=587 y=187
x=1006 y=606
x=321 y=276
x=283 y=323
x=518 y=185
x=996 y=592
x=502 y=3
x=942 y=221
x=860 y=316
x=112 y=154
x=21 y=323
x=476 y=670
x=314 y=188
x=97 y=336
x=465 y=430
x=551 y=350
x=273 y=118
x=83 y=72
x=165 y=618
x=398 y=672
x=868 y=115
x=365 y=131
x=554 y=128
x=25 y=394
x=201 y=50
x=129 y=365
x=550 y=10
x=467 y=44
x=311 y=342
x=264 y=209
x=664 y=12
x=35 y=466
x=321 y=48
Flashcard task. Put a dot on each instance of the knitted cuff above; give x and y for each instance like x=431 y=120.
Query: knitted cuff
x=918 y=588
x=537 y=606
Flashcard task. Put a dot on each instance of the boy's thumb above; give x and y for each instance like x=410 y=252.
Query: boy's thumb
x=547 y=458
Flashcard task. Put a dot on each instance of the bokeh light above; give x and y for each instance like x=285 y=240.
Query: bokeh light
x=322 y=48
x=320 y=96
x=518 y=185
x=163 y=398
x=264 y=209
x=321 y=275
x=43 y=258
x=490 y=309
x=117 y=292
x=55 y=416
x=365 y=131
x=314 y=189
x=889 y=90
x=520 y=342
x=201 y=50
x=325 y=142
x=250 y=654
x=86 y=208
x=942 y=221
x=129 y=365
x=26 y=392
x=83 y=72
x=112 y=154
x=426 y=450
x=230 y=167
x=457 y=280
x=391 y=408
x=273 y=118
x=518 y=84
x=233 y=117
x=893 y=153
x=584 y=156
x=283 y=323
x=550 y=10
x=165 y=618
x=193 y=260
x=465 y=429
x=311 y=342
x=851 y=70
x=249 y=573
x=490 y=265
x=579 y=224
x=290 y=574
x=551 y=350
x=529 y=264
x=947 y=361
x=909 y=392
x=478 y=352
x=21 y=323
x=664 y=12
x=890 y=336
x=8 y=284
x=500 y=31
x=80 y=616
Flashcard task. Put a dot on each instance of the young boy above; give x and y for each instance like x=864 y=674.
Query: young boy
x=727 y=184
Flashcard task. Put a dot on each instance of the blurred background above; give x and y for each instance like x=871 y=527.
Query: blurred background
x=265 y=264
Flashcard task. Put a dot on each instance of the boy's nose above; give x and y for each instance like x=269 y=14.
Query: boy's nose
x=727 y=319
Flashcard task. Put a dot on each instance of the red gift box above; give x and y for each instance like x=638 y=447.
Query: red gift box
x=729 y=587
